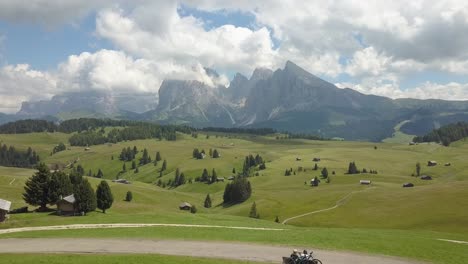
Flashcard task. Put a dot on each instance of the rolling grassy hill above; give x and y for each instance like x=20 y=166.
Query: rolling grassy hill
x=381 y=218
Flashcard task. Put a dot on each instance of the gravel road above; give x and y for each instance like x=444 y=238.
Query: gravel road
x=223 y=250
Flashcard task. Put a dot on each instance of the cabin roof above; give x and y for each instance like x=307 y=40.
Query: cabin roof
x=5 y=205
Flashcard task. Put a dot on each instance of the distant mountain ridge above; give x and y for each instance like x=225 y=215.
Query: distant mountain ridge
x=288 y=99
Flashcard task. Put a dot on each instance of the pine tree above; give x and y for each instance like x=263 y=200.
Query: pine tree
x=59 y=186
x=210 y=152
x=418 y=169
x=193 y=209
x=207 y=203
x=158 y=156
x=325 y=173
x=124 y=167
x=215 y=154
x=205 y=176
x=234 y=170
x=135 y=150
x=277 y=219
x=37 y=188
x=104 y=196
x=253 y=211
x=145 y=158
x=315 y=166
x=80 y=170
x=195 y=153
x=129 y=196
x=100 y=174
x=85 y=197
x=164 y=165
x=181 y=179
x=133 y=165
x=214 y=176
x=137 y=170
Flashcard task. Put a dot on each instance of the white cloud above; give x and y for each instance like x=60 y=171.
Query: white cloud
x=49 y=13
x=378 y=43
x=450 y=91
x=109 y=71
x=19 y=83
x=184 y=41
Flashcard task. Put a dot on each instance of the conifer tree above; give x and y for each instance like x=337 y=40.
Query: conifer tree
x=207 y=203
x=205 y=176
x=418 y=169
x=37 y=188
x=85 y=196
x=129 y=196
x=325 y=173
x=214 y=176
x=100 y=174
x=164 y=165
x=124 y=167
x=104 y=196
x=215 y=154
x=158 y=156
x=59 y=186
x=133 y=165
x=253 y=211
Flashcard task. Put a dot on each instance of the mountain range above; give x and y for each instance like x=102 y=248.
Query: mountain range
x=289 y=99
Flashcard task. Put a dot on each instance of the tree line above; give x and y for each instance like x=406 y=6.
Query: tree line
x=46 y=188
x=10 y=157
x=445 y=134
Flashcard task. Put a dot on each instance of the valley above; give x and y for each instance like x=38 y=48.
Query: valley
x=381 y=218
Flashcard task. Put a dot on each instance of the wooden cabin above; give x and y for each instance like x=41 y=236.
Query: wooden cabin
x=4 y=209
x=185 y=206
x=431 y=163
x=365 y=182
x=66 y=205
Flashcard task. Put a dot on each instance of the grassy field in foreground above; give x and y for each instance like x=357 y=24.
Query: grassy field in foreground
x=421 y=245
x=108 y=259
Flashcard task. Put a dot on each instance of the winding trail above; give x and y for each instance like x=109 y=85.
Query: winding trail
x=339 y=203
x=222 y=250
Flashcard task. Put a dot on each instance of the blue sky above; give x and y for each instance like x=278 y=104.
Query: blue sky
x=382 y=48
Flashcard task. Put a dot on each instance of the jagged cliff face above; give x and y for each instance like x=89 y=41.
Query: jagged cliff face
x=193 y=102
x=292 y=89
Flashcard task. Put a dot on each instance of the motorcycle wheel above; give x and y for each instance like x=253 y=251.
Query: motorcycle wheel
x=316 y=261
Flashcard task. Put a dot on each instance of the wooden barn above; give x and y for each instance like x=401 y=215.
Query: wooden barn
x=66 y=205
x=365 y=182
x=4 y=209
x=431 y=163
x=185 y=206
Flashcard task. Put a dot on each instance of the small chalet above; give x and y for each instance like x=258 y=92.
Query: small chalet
x=365 y=182
x=431 y=163
x=231 y=178
x=185 y=206
x=426 y=177
x=123 y=181
x=66 y=205
x=316 y=159
x=219 y=179
x=4 y=209
x=447 y=164
x=298 y=159
x=408 y=184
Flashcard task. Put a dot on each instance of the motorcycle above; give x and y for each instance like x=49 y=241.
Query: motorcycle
x=303 y=258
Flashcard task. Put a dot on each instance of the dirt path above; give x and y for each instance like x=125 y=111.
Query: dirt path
x=223 y=250
x=337 y=204
x=100 y=226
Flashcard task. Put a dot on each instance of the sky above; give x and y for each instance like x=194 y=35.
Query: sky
x=416 y=49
